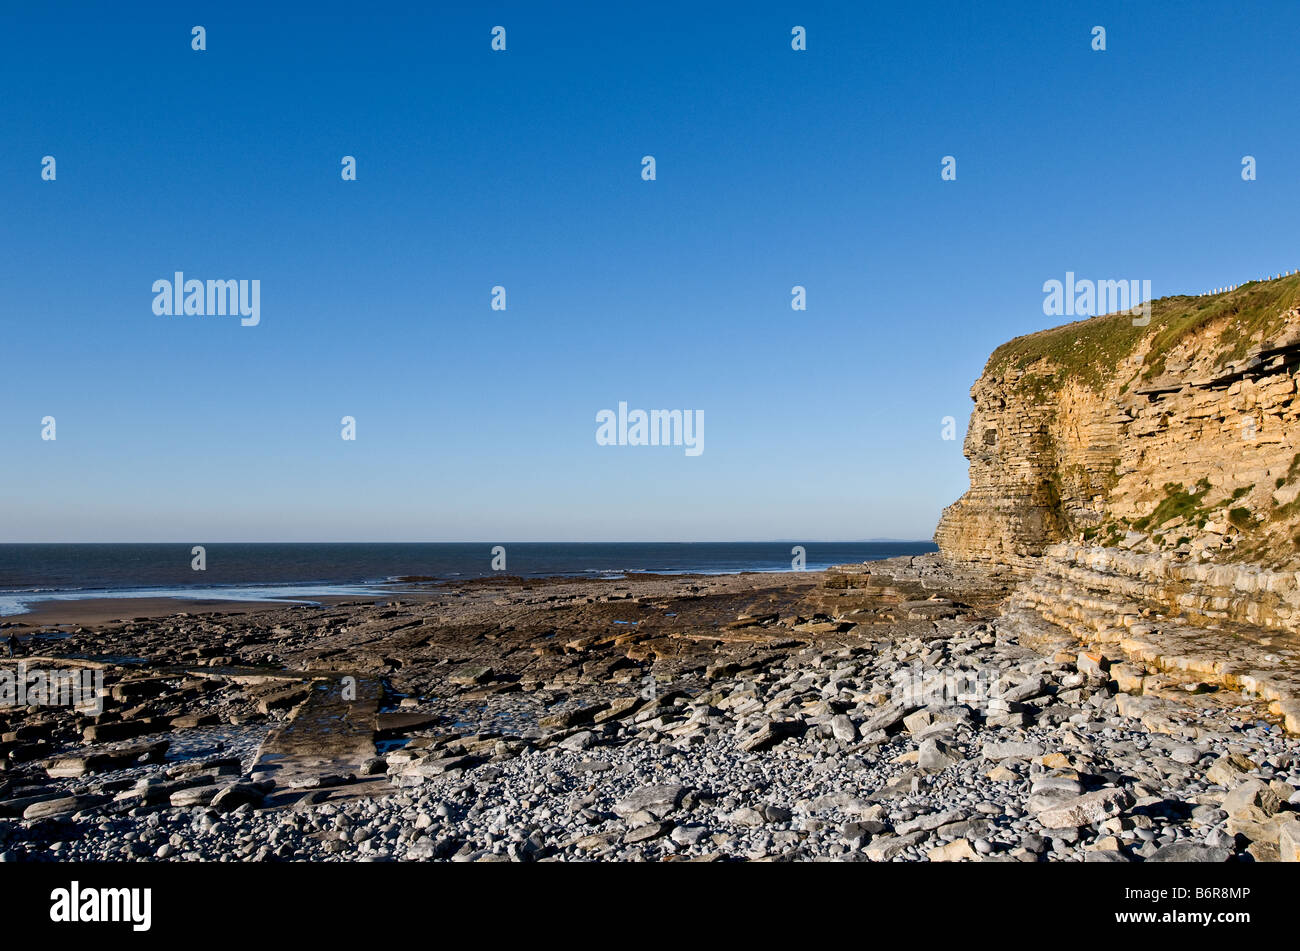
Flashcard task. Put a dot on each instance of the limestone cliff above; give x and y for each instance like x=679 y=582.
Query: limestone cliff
x=1144 y=482
x=1178 y=437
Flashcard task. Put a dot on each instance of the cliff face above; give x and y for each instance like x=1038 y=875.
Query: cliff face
x=1178 y=438
x=1144 y=482
x=1013 y=508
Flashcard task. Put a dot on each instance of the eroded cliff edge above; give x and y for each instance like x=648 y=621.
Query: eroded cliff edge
x=1144 y=481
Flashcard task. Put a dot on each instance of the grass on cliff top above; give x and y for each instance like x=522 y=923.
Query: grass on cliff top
x=1090 y=350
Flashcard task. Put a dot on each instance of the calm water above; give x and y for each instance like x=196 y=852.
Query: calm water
x=33 y=573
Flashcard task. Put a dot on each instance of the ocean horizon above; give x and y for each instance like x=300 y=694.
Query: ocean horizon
x=300 y=571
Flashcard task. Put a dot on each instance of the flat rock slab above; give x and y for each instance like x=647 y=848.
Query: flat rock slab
x=770 y=734
x=193 y=796
x=1013 y=750
x=572 y=717
x=886 y=847
x=658 y=801
x=469 y=676
x=64 y=806
x=14 y=808
x=283 y=698
x=328 y=735
x=97 y=761
x=1086 y=809
x=1189 y=852
x=398 y=723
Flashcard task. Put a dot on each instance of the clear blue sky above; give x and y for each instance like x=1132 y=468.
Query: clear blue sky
x=522 y=168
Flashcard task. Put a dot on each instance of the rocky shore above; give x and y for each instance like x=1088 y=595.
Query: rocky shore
x=902 y=710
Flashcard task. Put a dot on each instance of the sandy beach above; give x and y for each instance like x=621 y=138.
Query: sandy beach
x=48 y=615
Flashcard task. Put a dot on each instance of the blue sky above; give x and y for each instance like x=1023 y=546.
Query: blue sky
x=522 y=169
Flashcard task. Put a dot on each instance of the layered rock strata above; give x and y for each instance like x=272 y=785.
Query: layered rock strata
x=1178 y=437
x=1144 y=483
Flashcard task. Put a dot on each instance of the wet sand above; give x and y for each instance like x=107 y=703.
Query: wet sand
x=97 y=611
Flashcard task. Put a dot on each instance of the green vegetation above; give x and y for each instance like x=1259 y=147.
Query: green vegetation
x=1091 y=350
x=1290 y=473
x=1177 y=501
x=1283 y=512
x=1241 y=518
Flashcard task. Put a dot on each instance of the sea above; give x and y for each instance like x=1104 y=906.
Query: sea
x=301 y=572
